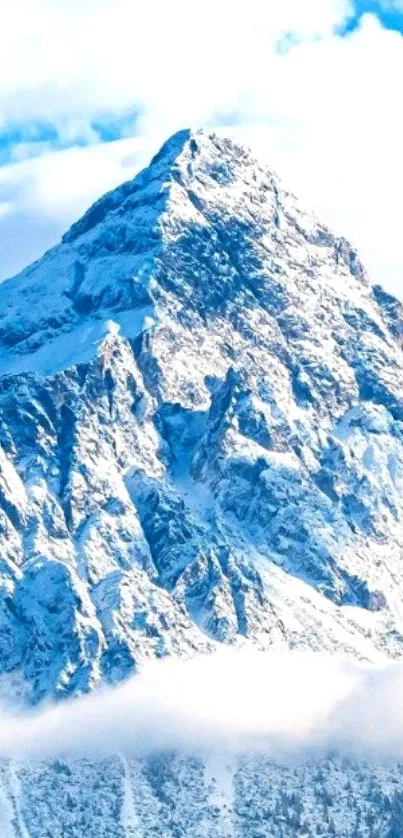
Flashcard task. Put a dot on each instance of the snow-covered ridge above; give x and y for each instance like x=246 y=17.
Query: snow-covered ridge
x=201 y=432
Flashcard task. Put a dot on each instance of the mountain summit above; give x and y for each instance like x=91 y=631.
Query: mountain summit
x=201 y=443
x=201 y=431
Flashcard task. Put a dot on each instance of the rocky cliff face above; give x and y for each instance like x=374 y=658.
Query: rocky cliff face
x=201 y=432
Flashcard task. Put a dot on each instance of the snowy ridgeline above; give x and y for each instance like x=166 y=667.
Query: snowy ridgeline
x=192 y=797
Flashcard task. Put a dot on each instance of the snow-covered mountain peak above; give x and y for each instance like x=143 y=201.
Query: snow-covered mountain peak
x=201 y=443
x=182 y=159
x=201 y=431
x=203 y=221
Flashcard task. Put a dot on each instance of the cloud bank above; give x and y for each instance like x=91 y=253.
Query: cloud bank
x=282 y=704
x=68 y=63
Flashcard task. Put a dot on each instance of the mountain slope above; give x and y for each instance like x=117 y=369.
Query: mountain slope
x=190 y=797
x=201 y=432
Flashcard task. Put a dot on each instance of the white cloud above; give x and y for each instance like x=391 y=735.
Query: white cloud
x=324 y=111
x=6 y=207
x=282 y=703
x=69 y=61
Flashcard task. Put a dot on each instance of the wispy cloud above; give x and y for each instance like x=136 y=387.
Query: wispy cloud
x=281 y=704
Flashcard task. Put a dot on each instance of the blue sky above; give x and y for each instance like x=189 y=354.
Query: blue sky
x=90 y=88
x=388 y=13
x=43 y=135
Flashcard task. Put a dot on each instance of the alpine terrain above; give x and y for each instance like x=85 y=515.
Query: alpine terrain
x=201 y=428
